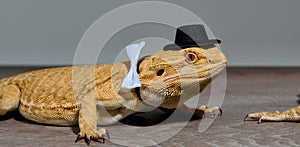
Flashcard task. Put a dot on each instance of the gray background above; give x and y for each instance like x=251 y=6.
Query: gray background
x=254 y=33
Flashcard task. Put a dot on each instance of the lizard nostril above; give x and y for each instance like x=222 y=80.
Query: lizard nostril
x=160 y=72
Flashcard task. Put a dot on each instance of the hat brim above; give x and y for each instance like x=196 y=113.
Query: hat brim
x=209 y=44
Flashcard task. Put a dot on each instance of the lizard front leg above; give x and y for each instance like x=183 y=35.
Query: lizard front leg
x=88 y=121
x=292 y=114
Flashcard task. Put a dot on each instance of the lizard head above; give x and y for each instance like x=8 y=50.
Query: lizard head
x=170 y=77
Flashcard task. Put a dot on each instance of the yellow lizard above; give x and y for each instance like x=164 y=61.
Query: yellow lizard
x=60 y=97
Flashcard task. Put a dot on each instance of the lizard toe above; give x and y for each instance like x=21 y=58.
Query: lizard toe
x=103 y=133
x=255 y=116
x=211 y=112
x=79 y=136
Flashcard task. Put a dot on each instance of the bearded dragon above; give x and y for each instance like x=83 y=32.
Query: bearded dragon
x=69 y=96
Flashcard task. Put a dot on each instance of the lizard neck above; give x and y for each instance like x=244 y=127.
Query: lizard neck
x=137 y=89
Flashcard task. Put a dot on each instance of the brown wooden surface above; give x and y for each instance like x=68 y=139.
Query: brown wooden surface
x=248 y=90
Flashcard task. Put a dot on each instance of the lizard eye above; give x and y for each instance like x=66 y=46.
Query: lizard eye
x=190 y=57
x=160 y=72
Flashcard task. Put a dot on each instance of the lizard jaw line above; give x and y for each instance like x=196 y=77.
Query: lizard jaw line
x=213 y=71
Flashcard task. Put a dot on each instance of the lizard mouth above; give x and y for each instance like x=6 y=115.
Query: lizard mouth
x=211 y=70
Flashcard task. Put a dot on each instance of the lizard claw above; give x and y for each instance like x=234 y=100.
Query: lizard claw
x=259 y=121
x=245 y=118
x=98 y=136
x=89 y=141
x=220 y=112
x=78 y=138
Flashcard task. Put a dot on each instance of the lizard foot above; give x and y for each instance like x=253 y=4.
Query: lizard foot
x=211 y=112
x=292 y=114
x=90 y=135
x=265 y=116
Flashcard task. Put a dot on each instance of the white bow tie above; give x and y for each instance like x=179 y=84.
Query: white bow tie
x=132 y=79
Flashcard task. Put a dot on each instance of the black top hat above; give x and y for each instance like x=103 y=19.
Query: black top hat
x=191 y=36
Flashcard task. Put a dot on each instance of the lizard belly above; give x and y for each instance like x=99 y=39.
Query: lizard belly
x=56 y=115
